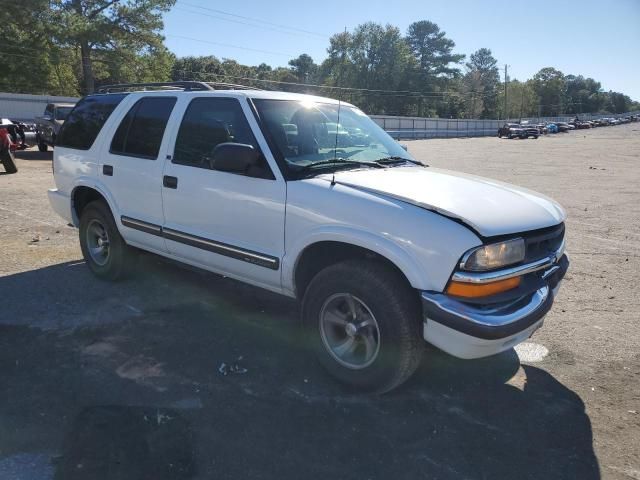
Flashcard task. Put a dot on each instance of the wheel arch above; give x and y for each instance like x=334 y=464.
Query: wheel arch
x=327 y=250
x=83 y=194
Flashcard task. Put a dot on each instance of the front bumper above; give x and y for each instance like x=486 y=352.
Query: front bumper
x=473 y=330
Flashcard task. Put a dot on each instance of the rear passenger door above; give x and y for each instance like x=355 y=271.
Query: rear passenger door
x=132 y=164
x=229 y=222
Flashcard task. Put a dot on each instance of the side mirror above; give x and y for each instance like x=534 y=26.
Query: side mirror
x=233 y=157
x=47 y=118
x=406 y=148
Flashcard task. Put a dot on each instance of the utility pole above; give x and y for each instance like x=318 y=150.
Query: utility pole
x=506 y=115
x=521 y=103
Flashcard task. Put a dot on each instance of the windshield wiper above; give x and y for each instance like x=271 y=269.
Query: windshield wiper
x=339 y=161
x=395 y=159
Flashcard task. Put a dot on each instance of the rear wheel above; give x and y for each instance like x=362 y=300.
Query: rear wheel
x=8 y=161
x=105 y=251
x=364 y=323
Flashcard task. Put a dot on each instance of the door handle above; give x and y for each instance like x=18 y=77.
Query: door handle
x=170 y=182
x=107 y=170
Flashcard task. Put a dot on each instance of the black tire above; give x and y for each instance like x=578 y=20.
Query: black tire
x=119 y=255
x=42 y=147
x=395 y=309
x=8 y=161
x=535 y=137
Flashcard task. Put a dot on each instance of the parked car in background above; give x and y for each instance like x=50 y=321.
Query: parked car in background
x=529 y=130
x=563 y=127
x=48 y=125
x=552 y=128
x=542 y=128
x=382 y=251
x=510 y=130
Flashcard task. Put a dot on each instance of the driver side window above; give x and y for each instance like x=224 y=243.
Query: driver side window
x=208 y=122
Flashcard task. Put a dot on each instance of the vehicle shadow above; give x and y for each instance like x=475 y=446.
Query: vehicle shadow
x=71 y=344
x=34 y=154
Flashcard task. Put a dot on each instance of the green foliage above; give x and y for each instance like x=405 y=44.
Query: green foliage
x=70 y=47
x=481 y=83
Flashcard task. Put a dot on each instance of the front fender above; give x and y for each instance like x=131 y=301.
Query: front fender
x=377 y=243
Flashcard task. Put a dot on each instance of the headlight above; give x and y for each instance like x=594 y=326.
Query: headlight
x=495 y=255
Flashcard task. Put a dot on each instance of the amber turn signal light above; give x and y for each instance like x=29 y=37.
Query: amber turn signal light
x=475 y=290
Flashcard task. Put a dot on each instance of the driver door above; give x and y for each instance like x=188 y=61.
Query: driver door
x=231 y=223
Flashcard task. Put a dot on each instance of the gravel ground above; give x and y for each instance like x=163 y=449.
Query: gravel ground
x=122 y=381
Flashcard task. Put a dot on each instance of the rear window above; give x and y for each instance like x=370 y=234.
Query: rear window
x=140 y=132
x=83 y=124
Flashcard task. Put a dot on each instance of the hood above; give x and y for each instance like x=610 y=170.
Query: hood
x=489 y=207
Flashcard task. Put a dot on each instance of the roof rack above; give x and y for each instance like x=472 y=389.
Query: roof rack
x=183 y=85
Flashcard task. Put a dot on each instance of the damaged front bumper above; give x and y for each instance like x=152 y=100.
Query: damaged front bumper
x=478 y=329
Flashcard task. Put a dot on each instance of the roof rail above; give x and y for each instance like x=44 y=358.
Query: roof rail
x=186 y=85
x=230 y=86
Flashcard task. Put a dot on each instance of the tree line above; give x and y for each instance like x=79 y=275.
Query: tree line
x=71 y=47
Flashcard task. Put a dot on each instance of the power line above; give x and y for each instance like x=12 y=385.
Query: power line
x=257 y=20
x=240 y=22
x=405 y=93
x=231 y=46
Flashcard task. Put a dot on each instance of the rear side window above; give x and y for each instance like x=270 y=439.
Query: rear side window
x=141 y=130
x=83 y=124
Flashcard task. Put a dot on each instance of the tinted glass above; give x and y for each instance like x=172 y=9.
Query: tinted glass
x=140 y=132
x=87 y=118
x=207 y=123
x=62 y=112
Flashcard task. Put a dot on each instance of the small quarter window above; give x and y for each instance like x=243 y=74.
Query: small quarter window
x=141 y=130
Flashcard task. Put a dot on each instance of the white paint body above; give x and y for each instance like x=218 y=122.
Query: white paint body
x=413 y=216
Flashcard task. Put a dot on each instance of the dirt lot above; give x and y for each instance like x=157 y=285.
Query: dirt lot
x=121 y=381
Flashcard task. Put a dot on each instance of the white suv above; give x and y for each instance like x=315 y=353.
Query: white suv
x=308 y=197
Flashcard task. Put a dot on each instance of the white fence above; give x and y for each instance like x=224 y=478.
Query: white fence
x=21 y=106
x=419 y=127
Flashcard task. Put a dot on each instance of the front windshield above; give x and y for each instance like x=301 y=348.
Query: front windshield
x=310 y=133
x=63 y=112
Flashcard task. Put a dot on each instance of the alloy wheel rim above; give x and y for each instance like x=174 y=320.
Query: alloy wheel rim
x=349 y=331
x=98 y=242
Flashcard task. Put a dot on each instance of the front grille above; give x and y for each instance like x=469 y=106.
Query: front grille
x=542 y=243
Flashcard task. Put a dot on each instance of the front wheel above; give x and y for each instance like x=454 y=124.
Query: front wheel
x=8 y=161
x=364 y=323
x=105 y=251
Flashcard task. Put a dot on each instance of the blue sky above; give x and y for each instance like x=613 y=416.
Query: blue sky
x=600 y=39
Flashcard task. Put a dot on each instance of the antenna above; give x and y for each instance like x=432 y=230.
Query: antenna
x=335 y=147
